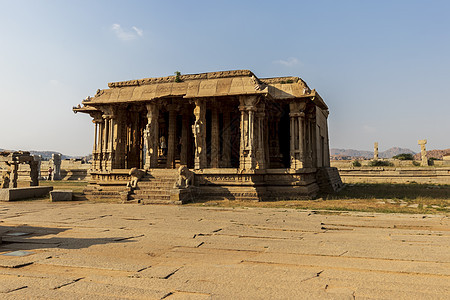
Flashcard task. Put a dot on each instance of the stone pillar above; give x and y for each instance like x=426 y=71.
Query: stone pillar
x=423 y=152
x=297 y=135
x=38 y=159
x=120 y=128
x=185 y=129
x=35 y=171
x=308 y=141
x=110 y=137
x=247 y=160
x=375 y=151
x=104 y=144
x=56 y=161
x=314 y=142
x=215 y=141
x=172 y=134
x=259 y=137
x=226 y=136
x=111 y=143
x=151 y=136
x=14 y=174
x=96 y=151
x=199 y=131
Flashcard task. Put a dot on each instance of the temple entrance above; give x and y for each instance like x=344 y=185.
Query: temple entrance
x=278 y=135
x=134 y=137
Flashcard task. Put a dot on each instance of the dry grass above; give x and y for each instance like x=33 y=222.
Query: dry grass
x=383 y=198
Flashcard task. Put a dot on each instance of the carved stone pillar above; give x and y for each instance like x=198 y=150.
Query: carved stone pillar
x=96 y=151
x=309 y=139
x=375 y=151
x=34 y=172
x=110 y=136
x=56 y=160
x=38 y=160
x=104 y=145
x=215 y=142
x=14 y=174
x=314 y=141
x=151 y=136
x=119 y=139
x=226 y=146
x=172 y=134
x=199 y=130
x=259 y=137
x=247 y=160
x=423 y=152
x=297 y=134
x=185 y=129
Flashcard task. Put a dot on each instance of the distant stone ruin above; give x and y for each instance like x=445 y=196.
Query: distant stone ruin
x=9 y=168
x=375 y=151
x=423 y=152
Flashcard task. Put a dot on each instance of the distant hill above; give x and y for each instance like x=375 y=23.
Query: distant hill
x=369 y=154
x=46 y=155
x=389 y=153
x=351 y=153
x=433 y=153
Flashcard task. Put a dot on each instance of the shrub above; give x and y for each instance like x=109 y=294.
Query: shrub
x=380 y=163
x=356 y=163
x=177 y=76
x=416 y=163
x=404 y=156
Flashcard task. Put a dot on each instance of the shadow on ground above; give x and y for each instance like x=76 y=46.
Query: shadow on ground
x=32 y=238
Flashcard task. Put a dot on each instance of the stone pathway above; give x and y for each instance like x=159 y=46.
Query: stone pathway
x=83 y=250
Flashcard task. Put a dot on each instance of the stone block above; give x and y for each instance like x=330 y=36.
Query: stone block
x=61 y=195
x=24 y=193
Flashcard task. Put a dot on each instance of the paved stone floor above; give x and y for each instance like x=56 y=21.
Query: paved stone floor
x=83 y=250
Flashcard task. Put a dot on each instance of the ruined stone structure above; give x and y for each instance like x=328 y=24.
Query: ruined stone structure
x=242 y=138
x=56 y=166
x=375 y=151
x=9 y=169
x=423 y=152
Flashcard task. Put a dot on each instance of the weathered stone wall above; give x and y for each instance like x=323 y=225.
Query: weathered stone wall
x=70 y=170
x=395 y=162
x=423 y=175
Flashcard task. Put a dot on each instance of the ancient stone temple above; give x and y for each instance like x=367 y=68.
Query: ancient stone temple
x=237 y=137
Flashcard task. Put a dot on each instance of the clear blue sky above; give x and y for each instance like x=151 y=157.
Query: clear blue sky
x=381 y=66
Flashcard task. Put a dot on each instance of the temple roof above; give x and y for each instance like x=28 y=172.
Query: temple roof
x=211 y=84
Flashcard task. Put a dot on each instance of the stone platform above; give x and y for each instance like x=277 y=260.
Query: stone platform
x=118 y=251
x=24 y=193
x=157 y=186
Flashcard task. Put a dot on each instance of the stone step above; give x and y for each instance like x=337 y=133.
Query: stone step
x=155 y=193
x=165 y=202
x=167 y=182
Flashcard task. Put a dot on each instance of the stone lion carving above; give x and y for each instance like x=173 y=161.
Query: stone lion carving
x=136 y=175
x=185 y=178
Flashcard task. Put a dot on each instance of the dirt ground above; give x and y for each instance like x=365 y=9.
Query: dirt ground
x=83 y=250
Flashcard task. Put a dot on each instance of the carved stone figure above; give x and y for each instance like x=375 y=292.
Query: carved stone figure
x=136 y=175
x=5 y=181
x=185 y=178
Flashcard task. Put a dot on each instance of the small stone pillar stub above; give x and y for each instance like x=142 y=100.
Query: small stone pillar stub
x=423 y=152
x=56 y=161
x=375 y=151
